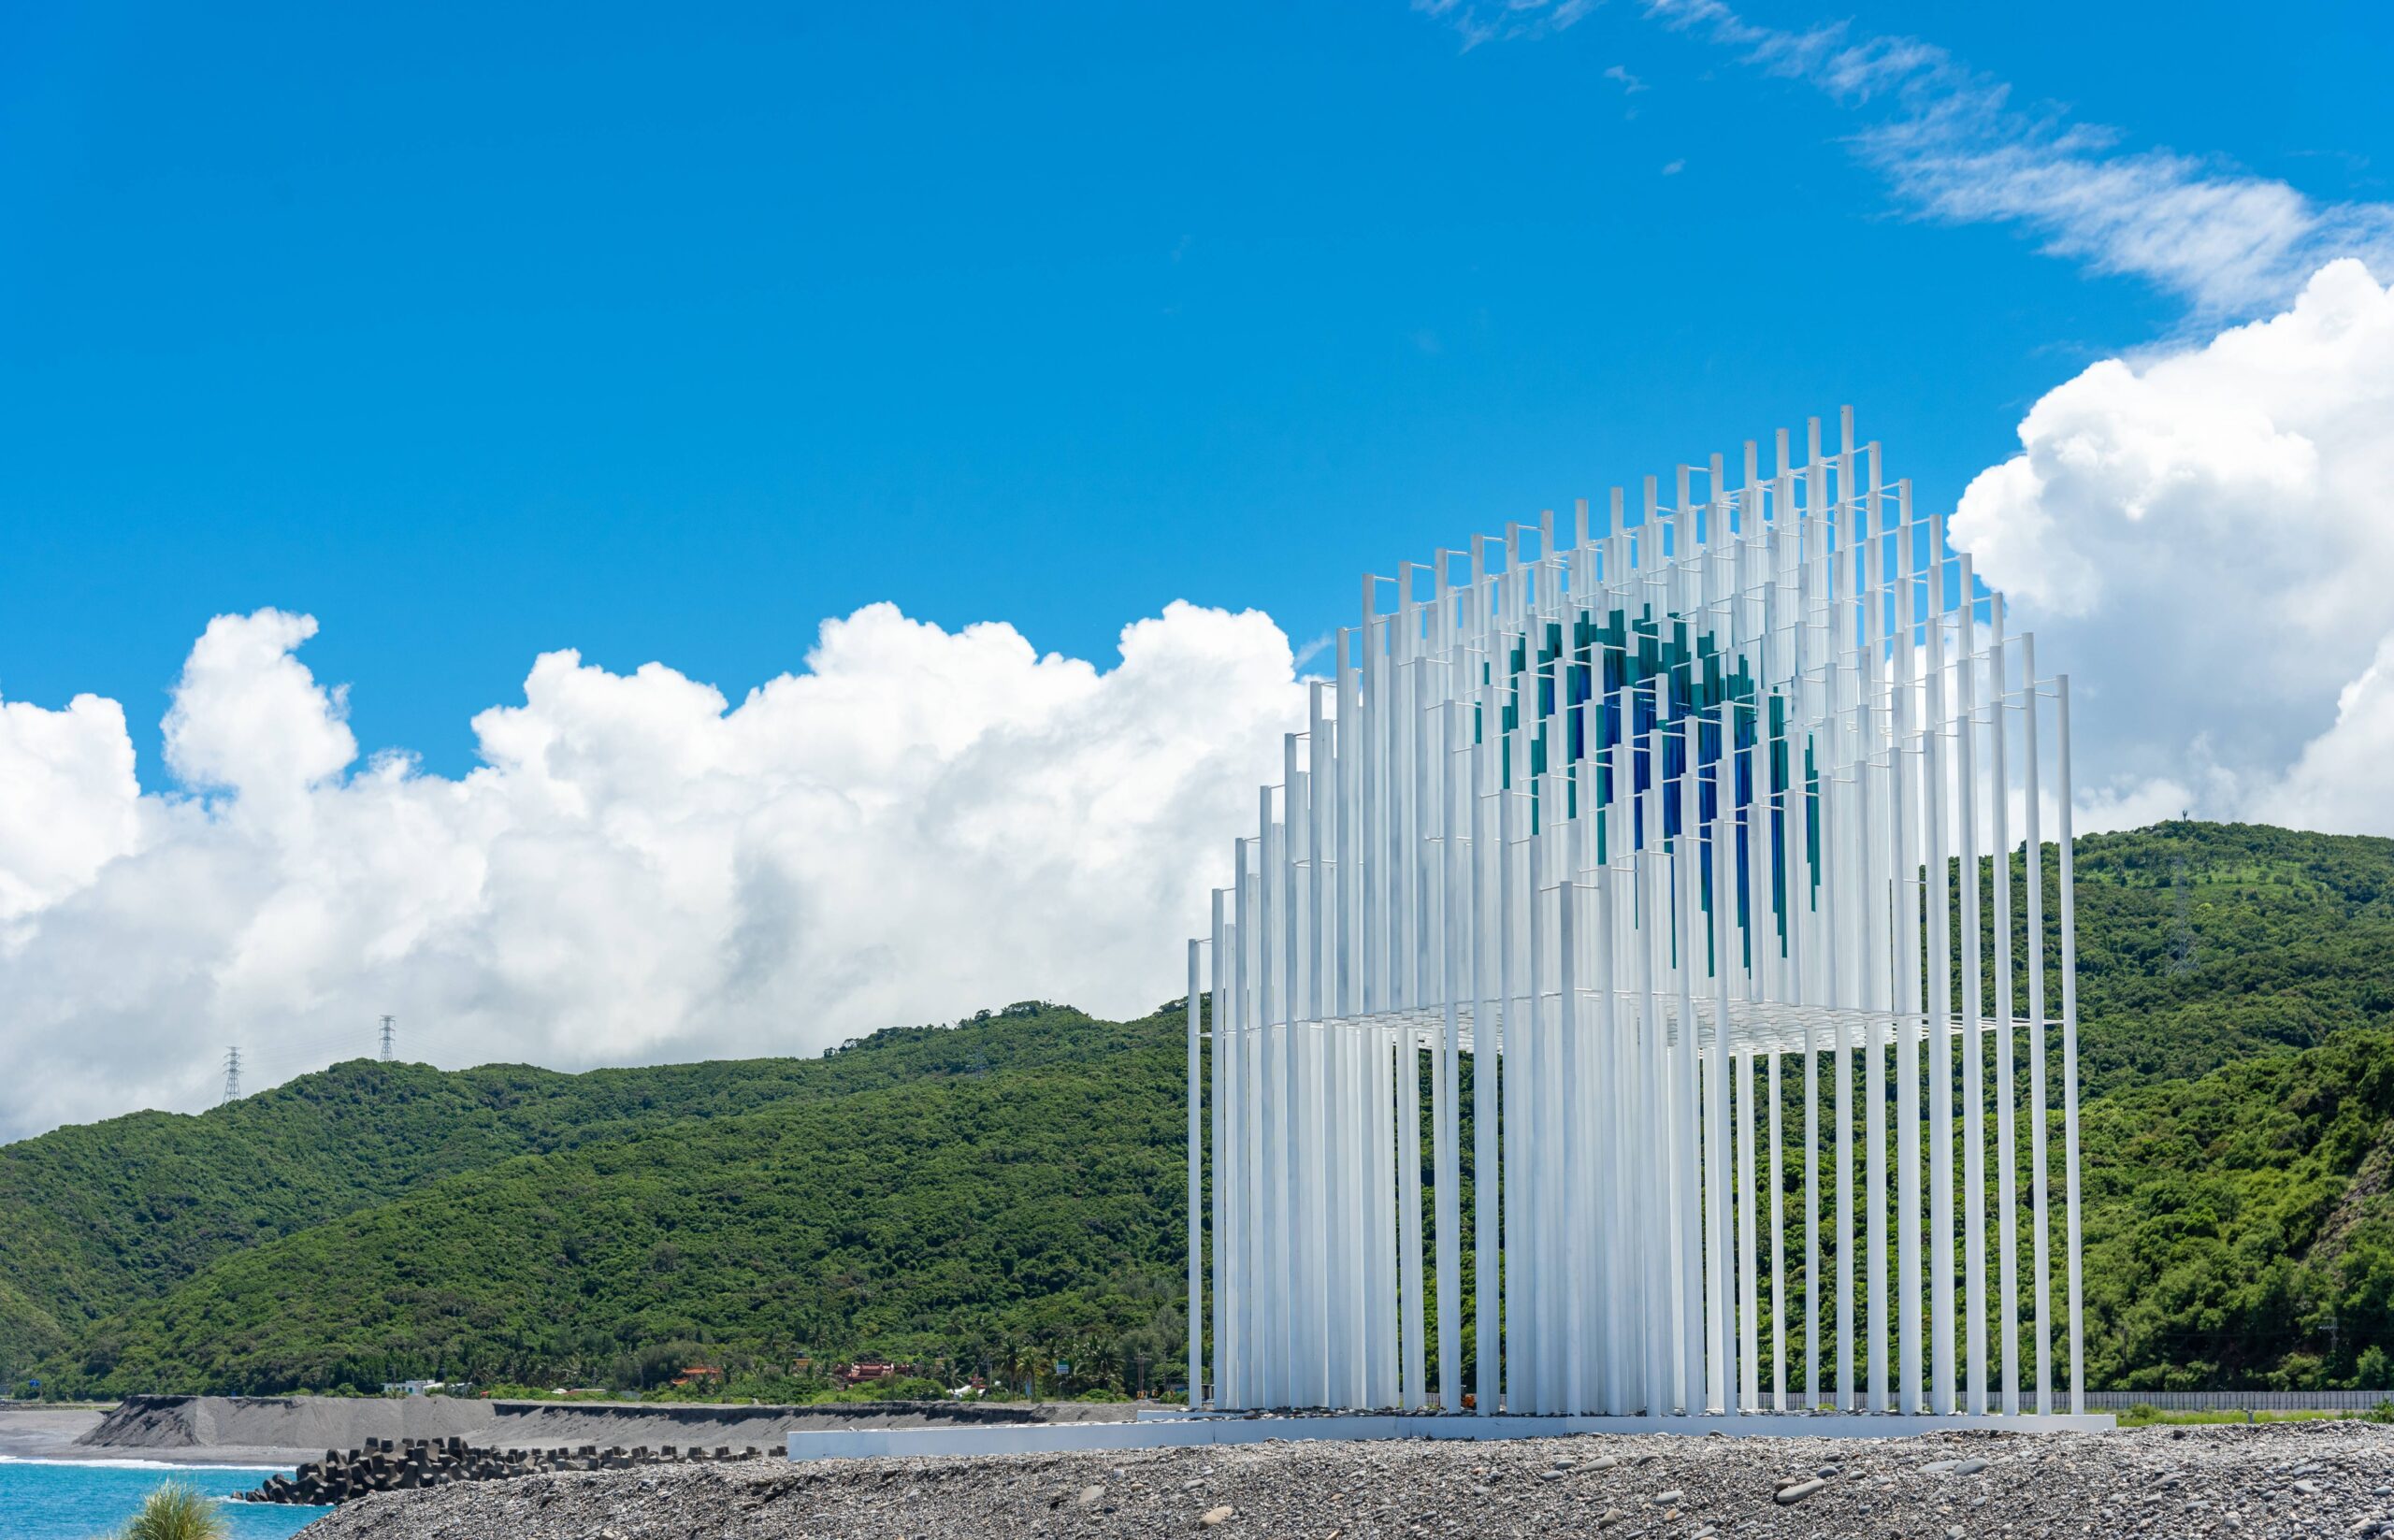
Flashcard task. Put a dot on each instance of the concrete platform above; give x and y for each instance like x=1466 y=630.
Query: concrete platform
x=1168 y=1431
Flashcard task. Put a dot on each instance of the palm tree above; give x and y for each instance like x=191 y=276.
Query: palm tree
x=175 y=1512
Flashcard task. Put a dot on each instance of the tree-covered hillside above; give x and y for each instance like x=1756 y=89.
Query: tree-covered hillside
x=1011 y=1187
x=952 y=1216
x=2239 y=1227
x=2199 y=944
x=94 y=1218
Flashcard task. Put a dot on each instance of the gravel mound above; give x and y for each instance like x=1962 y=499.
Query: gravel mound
x=2306 y=1480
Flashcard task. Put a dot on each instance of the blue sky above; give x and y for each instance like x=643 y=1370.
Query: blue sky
x=351 y=361
x=476 y=332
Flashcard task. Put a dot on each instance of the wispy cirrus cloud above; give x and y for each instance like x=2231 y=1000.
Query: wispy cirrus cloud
x=1954 y=144
x=2229 y=474
x=1499 y=19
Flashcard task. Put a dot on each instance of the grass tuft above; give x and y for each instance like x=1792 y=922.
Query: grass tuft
x=175 y=1512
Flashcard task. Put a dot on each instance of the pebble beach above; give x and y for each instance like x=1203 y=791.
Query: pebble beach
x=2292 y=1479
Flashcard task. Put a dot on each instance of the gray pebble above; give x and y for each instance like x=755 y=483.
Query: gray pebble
x=2145 y=1484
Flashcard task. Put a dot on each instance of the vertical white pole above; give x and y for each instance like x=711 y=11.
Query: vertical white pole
x=1909 y=1020
x=1321 y=977
x=2036 y=960
x=1592 y=1242
x=1449 y=1141
x=1358 y=1151
x=1742 y=1068
x=1807 y=903
x=1305 y=1099
x=1277 y=1351
x=1974 y=1043
x=2007 y=1197
x=1749 y=1296
x=1301 y=1224
x=1654 y=934
x=1387 y=1250
x=1225 y=1167
x=1778 y=1217
x=1879 y=936
x=1720 y=1147
x=1536 y=1355
x=1687 y=1064
x=1346 y=1250
x=1844 y=914
x=1196 y=1188
x=1567 y=1019
x=1348 y=737
x=1369 y=775
x=1555 y=1284
x=2066 y=876
x=1488 y=1041
x=1839 y=919
x=1877 y=933
x=1811 y=1396
x=1615 y=1028
x=1257 y=1342
x=1939 y=1019
x=1408 y=1159
x=1518 y=1367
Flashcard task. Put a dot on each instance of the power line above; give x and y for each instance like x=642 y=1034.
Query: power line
x=232 y=1075
x=389 y=1025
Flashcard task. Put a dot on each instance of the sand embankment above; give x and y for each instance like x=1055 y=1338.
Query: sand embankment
x=162 y=1427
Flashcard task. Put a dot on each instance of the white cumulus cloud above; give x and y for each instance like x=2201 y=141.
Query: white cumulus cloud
x=2202 y=536
x=918 y=824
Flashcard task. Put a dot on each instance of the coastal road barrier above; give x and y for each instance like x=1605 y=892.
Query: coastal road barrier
x=1174 y=1430
x=2239 y=1401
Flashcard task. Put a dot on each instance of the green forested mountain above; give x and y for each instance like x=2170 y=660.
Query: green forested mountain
x=960 y=1216
x=1011 y=1187
x=2199 y=944
x=94 y=1218
x=2239 y=1228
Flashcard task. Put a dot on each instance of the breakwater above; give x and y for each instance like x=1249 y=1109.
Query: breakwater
x=296 y=1427
x=385 y=1466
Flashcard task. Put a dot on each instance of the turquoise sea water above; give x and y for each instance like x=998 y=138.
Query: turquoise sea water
x=47 y=1500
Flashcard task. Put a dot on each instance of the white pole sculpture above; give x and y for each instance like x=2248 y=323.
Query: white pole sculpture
x=1625 y=816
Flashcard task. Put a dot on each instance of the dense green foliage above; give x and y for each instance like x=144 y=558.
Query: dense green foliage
x=993 y=1194
x=2241 y=1230
x=1006 y=1193
x=176 y=1511
x=2199 y=944
x=97 y=1217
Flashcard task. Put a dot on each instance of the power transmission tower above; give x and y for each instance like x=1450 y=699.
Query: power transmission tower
x=232 y=1075
x=389 y=1025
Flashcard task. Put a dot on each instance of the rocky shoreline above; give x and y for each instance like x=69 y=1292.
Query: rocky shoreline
x=410 y=1465
x=2287 y=1479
